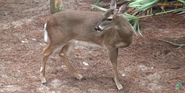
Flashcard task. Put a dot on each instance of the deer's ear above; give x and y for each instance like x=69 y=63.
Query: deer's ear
x=123 y=8
x=113 y=4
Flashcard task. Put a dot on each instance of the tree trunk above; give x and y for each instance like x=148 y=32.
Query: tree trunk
x=55 y=6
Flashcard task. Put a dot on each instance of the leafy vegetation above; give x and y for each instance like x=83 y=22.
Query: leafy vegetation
x=141 y=6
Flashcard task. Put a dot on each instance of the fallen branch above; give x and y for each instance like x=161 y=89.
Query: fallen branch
x=174 y=44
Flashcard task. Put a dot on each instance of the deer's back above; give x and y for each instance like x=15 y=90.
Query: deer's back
x=78 y=20
x=74 y=24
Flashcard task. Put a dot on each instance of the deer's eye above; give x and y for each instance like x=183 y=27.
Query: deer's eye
x=109 y=19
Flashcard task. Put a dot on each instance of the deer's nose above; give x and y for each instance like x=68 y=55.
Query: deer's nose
x=97 y=28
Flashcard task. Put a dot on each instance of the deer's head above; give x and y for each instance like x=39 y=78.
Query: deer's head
x=111 y=17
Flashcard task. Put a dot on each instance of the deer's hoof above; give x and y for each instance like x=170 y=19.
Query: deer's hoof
x=44 y=83
x=119 y=86
x=43 y=80
x=78 y=76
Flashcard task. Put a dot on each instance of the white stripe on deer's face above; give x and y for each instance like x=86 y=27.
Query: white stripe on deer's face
x=101 y=28
x=110 y=17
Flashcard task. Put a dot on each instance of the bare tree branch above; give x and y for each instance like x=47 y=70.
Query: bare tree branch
x=174 y=44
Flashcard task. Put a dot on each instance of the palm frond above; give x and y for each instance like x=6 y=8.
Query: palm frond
x=140 y=7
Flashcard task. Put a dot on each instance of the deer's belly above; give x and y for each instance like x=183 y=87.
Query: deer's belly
x=85 y=43
x=121 y=45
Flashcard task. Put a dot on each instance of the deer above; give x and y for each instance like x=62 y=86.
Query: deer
x=69 y=28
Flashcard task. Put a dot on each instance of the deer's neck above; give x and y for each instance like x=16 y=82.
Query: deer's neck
x=124 y=30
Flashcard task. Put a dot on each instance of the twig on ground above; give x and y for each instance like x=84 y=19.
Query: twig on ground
x=174 y=44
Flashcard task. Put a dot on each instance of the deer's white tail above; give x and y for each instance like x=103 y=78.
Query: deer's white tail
x=45 y=33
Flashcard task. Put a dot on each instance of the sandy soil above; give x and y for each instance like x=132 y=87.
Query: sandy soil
x=146 y=66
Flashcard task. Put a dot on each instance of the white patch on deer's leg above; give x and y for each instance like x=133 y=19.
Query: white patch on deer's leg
x=45 y=33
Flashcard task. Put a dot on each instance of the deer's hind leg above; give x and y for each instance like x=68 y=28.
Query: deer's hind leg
x=64 y=56
x=46 y=53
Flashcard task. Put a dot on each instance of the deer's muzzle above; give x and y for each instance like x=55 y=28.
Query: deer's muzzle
x=98 y=28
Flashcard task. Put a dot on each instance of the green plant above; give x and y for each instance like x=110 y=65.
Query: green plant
x=141 y=6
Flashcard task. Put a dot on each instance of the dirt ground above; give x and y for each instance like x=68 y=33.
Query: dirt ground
x=146 y=66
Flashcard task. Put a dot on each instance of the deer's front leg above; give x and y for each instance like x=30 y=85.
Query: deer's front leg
x=113 y=54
